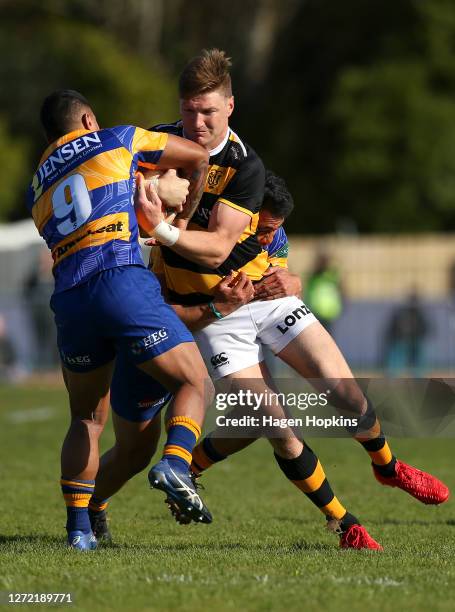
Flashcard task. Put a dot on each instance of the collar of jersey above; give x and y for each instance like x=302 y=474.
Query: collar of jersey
x=64 y=139
x=222 y=144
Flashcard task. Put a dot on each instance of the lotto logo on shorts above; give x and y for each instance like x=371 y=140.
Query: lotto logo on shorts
x=219 y=360
x=293 y=317
x=151 y=340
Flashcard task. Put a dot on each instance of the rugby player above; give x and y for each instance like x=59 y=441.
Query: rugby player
x=106 y=302
x=136 y=415
x=276 y=207
x=193 y=263
x=227 y=214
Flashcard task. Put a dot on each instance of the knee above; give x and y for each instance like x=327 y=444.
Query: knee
x=94 y=427
x=204 y=388
x=287 y=448
x=348 y=396
x=209 y=391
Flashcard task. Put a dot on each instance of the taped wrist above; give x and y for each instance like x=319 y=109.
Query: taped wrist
x=166 y=234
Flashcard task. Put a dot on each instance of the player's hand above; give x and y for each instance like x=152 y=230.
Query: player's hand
x=233 y=292
x=173 y=190
x=277 y=283
x=147 y=204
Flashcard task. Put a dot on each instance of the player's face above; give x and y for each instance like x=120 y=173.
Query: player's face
x=205 y=118
x=268 y=225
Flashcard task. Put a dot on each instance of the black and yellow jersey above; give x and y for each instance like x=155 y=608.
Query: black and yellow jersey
x=236 y=177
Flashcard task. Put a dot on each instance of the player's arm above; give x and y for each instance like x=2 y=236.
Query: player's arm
x=231 y=293
x=212 y=248
x=161 y=151
x=228 y=219
x=192 y=161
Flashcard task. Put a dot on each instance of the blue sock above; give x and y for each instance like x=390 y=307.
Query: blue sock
x=77 y=494
x=182 y=435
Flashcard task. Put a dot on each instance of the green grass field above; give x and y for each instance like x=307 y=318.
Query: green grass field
x=266 y=550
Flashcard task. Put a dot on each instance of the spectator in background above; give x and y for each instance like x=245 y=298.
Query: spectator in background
x=7 y=356
x=323 y=292
x=38 y=288
x=405 y=337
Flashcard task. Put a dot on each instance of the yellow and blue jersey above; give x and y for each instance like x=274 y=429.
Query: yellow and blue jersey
x=81 y=199
x=278 y=249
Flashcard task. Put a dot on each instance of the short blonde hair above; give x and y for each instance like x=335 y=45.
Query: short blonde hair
x=206 y=72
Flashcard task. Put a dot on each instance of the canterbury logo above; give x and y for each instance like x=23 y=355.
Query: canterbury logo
x=191 y=495
x=219 y=360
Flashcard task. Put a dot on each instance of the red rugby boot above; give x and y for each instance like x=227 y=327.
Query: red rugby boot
x=357 y=537
x=424 y=487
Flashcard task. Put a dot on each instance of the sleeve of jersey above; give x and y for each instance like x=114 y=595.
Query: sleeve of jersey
x=147 y=147
x=245 y=190
x=279 y=250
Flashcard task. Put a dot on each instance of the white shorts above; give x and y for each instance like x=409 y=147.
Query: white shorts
x=236 y=341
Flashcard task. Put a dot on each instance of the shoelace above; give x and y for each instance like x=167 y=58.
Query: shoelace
x=413 y=476
x=194 y=479
x=354 y=536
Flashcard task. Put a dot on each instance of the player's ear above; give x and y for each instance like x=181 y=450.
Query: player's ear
x=230 y=105
x=89 y=121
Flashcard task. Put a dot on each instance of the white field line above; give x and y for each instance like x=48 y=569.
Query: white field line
x=359 y=580
x=30 y=415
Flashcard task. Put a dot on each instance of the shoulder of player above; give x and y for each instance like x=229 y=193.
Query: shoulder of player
x=238 y=153
x=170 y=128
x=281 y=233
x=279 y=242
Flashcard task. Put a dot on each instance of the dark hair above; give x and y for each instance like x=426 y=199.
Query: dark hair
x=277 y=199
x=61 y=112
x=205 y=73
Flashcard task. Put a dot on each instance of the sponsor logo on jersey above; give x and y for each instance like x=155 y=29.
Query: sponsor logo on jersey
x=105 y=229
x=292 y=318
x=62 y=155
x=149 y=341
x=219 y=360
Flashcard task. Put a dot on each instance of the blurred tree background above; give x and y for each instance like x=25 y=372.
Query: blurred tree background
x=352 y=102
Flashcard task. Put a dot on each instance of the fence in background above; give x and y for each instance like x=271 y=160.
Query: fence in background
x=377 y=273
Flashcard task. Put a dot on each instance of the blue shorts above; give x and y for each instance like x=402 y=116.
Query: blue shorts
x=135 y=396
x=119 y=311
